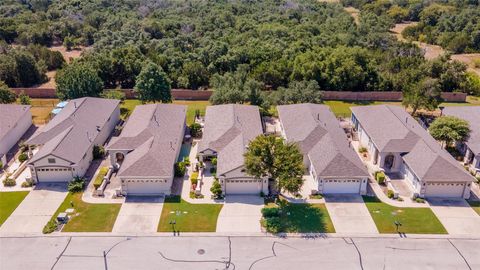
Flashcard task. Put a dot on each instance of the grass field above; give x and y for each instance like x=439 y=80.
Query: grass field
x=304 y=218
x=475 y=206
x=88 y=217
x=9 y=202
x=188 y=217
x=413 y=220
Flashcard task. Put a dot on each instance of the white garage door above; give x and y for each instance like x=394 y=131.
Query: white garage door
x=341 y=186
x=445 y=190
x=243 y=186
x=53 y=174
x=147 y=187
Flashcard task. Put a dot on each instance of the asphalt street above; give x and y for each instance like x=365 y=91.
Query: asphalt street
x=189 y=252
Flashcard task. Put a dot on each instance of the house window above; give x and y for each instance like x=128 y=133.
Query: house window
x=51 y=160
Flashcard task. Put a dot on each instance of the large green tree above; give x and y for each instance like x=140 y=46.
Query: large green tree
x=78 y=80
x=271 y=157
x=297 y=92
x=153 y=84
x=6 y=96
x=424 y=95
x=449 y=129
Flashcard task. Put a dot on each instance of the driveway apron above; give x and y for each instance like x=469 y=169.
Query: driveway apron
x=349 y=214
x=139 y=215
x=36 y=209
x=240 y=213
x=456 y=215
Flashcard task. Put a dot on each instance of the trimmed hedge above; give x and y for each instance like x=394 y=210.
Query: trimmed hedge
x=380 y=177
x=99 y=179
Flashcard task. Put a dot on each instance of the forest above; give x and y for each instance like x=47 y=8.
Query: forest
x=242 y=47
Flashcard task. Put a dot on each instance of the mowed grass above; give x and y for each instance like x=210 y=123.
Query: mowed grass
x=413 y=220
x=9 y=201
x=188 y=217
x=88 y=217
x=192 y=106
x=475 y=205
x=304 y=218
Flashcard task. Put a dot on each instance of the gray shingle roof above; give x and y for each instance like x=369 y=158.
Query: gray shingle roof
x=228 y=130
x=392 y=129
x=153 y=134
x=320 y=137
x=471 y=114
x=10 y=114
x=71 y=133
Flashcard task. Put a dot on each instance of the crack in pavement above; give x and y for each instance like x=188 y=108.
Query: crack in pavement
x=460 y=253
x=271 y=256
x=358 y=250
x=61 y=253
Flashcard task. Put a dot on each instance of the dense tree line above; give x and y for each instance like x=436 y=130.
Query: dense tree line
x=452 y=24
x=239 y=48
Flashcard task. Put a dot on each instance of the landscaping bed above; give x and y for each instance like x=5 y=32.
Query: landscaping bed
x=188 y=217
x=88 y=217
x=413 y=220
x=9 y=201
x=296 y=218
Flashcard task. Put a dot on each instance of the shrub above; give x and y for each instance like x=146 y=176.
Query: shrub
x=380 y=177
x=213 y=170
x=99 y=179
x=316 y=196
x=420 y=200
x=1 y=165
x=186 y=161
x=362 y=150
x=24 y=98
x=216 y=189
x=9 y=182
x=180 y=169
x=50 y=227
x=22 y=157
x=27 y=184
x=476 y=62
x=195 y=130
x=272 y=224
x=214 y=162
x=76 y=185
x=390 y=194
x=194 y=178
x=98 y=152
x=270 y=212
x=478 y=177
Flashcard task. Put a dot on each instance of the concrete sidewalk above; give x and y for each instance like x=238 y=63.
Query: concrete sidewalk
x=349 y=214
x=139 y=215
x=240 y=214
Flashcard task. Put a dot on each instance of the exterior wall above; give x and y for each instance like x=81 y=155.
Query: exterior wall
x=44 y=164
x=14 y=135
x=239 y=174
x=165 y=187
x=363 y=183
x=412 y=180
x=397 y=162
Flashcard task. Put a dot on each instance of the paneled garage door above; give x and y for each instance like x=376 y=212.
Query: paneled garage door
x=53 y=174
x=243 y=186
x=147 y=187
x=445 y=190
x=341 y=186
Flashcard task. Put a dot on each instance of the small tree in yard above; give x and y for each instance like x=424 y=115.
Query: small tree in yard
x=78 y=80
x=6 y=96
x=269 y=156
x=450 y=129
x=153 y=84
x=424 y=95
x=24 y=99
x=195 y=130
x=216 y=189
x=76 y=185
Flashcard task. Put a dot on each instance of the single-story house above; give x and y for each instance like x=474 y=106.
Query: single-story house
x=471 y=148
x=327 y=154
x=146 y=151
x=398 y=144
x=66 y=143
x=228 y=130
x=15 y=120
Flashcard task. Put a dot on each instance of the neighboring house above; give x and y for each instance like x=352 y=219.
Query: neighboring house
x=66 y=142
x=398 y=144
x=15 y=120
x=148 y=148
x=327 y=154
x=471 y=148
x=227 y=133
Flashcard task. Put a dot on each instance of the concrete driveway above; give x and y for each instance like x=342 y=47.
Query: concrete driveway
x=36 y=209
x=456 y=216
x=240 y=213
x=349 y=214
x=139 y=215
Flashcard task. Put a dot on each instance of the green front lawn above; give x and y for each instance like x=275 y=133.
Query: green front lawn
x=304 y=218
x=88 y=217
x=188 y=217
x=413 y=220
x=475 y=206
x=9 y=202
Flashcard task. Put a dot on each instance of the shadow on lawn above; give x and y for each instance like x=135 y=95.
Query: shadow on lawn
x=302 y=218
